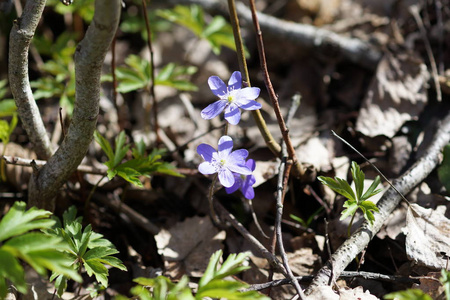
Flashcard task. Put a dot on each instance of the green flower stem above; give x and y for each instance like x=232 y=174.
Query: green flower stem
x=350 y=224
x=86 y=203
x=257 y=116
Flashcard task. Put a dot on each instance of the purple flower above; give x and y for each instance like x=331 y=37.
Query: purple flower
x=224 y=162
x=244 y=182
x=232 y=97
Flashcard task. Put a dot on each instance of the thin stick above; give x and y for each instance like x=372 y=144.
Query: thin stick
x=257 y=116
x=283 y=175
x=373 y=166
x=151 y=87
x=272 y=94
x=423 y=32
x=272 y=259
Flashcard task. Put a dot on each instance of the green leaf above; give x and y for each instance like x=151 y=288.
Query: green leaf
x=368 y=207
x=351 y=207
x=7 y=108
x=444 y=169
x=358 y=178
x=338 y=185
x=371 y=190
x=410 y=294
x=18 y=221
x=104 y=144
x=11 y=269
x=96 y=268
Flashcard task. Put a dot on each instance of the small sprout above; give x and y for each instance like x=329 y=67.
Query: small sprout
x=355 y=198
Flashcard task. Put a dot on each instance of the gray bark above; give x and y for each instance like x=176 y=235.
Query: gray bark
x=89 y=57
x=389 y=201
x=19 y=42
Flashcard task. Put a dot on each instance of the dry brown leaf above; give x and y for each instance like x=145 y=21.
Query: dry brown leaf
x=427 y=236
x=398 y=93
x=190 y=243
x=431 y=285
x=326 y=292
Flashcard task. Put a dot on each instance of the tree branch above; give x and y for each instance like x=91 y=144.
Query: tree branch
x=89 y=57
x=19 y=43
x=303 y=35
x=361 y=238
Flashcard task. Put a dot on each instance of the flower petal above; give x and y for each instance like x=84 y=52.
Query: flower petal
x=251 y=164
x=226 y=178
x=232 y=114
x=249 y=93
x=213 y=109
x=248 y=192
x=248 y=104
x=239 y=168
x=206 y=151
x=225 y=146
x=217 y=86
x=237 y=184
x=235 y=81
x=207 y=168
x=238 y=157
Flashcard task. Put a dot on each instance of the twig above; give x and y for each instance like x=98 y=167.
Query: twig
x=283 y=175
x=273 y=97
x=273 y=261
x=414 y=10
x=25 y=162
x=152 y=72
x=388 y=202
x=134 y=216
x=257 y=116
x=303 y=35
x=361 y=274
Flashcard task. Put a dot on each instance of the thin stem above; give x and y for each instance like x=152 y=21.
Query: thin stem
x=151 y=87
x=257 y=116
x=350 y=225
x=212 y=212
x=273 y=97
x=86 y=204
x=283 y=176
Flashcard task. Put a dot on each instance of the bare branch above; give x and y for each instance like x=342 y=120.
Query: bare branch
x=304 y=35
x=19 y=43
x=89 y=58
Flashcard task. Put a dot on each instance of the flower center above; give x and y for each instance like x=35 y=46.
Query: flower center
x=230 y=98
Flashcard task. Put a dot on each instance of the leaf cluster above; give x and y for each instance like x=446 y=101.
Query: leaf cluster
x=356 y=199
x=217 y=32
x=140 y=165
x=20 y=241
x=86 y=249
x=212 y=284
x=136 y=74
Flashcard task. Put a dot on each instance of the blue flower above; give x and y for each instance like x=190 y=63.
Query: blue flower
x=244 y=182
x=224 y=162
x=231 y=98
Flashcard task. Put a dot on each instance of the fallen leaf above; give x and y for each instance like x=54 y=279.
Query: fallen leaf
x=427 y=236
x=398 y=93
x=190 y=243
